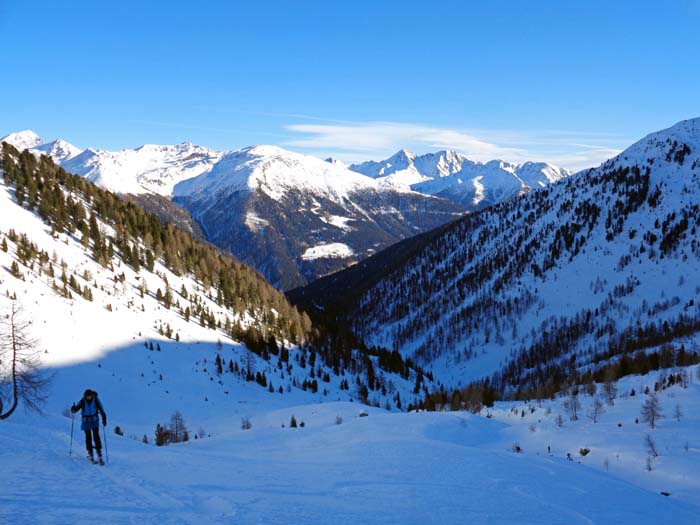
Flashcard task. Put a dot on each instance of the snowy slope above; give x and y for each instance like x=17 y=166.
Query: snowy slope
x=413 y=468
x=616 y=440
x=275 y=171
x=573 y=269
x=150 y=168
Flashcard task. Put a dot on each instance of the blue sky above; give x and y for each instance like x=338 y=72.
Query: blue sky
x=569 y=84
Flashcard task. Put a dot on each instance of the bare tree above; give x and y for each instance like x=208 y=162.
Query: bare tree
x=572 y=405
x=178 y=429
x=610 y=392
x=678 y=412
x=21 y=379
x=596 y=410
x=651 y=410
x=650 y=444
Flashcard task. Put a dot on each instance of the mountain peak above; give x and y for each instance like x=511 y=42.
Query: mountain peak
x=22 y=140
x=58 y=149
x=403 y=156
x=672 y=146
x=274 y=170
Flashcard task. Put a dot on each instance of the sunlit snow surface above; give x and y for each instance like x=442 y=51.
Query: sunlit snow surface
x=438 y=468
x=335 y=249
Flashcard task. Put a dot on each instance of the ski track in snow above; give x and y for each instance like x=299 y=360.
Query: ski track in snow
x=385 y=468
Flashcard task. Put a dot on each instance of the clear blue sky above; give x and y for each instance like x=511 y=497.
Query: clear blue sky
x=355 y=79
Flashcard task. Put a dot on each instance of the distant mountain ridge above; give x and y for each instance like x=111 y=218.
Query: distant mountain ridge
x=295 y=217
x=451 y=175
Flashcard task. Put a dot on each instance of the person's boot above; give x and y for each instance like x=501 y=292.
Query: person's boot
x=90 y=457
x=99 y=457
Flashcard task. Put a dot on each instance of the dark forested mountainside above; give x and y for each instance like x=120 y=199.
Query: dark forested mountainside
x=163 y=208
x=333 y=294
x=278 y=235
x=539 y=291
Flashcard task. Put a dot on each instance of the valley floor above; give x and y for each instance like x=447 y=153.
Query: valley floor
x=384 y=468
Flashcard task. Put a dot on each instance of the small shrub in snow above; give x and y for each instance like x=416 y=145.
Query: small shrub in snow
x=302 y=424
x=517 y=448
x=338 y=420
x=559 y=420
x=118 y=431
x=606 y=464
x=363 y=414
x=584 y=451
x=246 y=424
x=293 y=423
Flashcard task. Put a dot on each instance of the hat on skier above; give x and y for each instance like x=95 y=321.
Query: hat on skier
x=88 y=392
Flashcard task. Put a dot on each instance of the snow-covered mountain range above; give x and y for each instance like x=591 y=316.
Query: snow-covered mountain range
x=604 y=263
x=295 y=217
x=148 y=169
x=449 y=174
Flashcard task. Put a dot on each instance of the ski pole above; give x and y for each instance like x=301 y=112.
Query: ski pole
x=104 y=433
x=72 y=420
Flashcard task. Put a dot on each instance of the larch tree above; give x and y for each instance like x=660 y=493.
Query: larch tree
x=21 y=378
x=651 y=410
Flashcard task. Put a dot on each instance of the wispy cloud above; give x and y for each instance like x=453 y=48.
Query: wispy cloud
x=377 y=136
x=364 y=140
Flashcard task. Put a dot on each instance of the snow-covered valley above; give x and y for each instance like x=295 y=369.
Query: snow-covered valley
x=154 y=335
x=386 y=467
